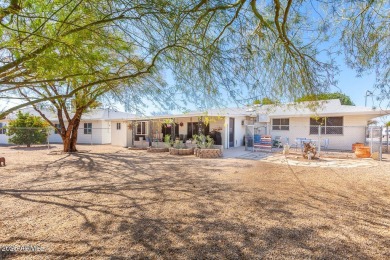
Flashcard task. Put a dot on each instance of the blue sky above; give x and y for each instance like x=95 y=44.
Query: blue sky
x=356 y=87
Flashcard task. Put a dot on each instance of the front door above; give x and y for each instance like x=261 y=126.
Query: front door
x=193 y=129
x=231 y=132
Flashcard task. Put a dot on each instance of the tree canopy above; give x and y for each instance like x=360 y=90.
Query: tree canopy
x=279 y=47
x=264 y=101
x=344 y=99
x=84 y=52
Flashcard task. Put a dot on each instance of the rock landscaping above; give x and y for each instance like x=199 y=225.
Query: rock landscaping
x=208 y=153
x=181 y=151
x=157 y=149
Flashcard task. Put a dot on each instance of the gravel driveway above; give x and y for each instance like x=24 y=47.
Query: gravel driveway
x=112 y=203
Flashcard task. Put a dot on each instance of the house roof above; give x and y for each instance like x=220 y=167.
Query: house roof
x=318 y=108
x=107 y=114
x=95 y=114
x=211 y=112
x=331 y=107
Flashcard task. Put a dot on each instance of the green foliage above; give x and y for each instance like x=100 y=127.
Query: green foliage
x=267 y=101
x=203 y=141
x=387 y=124
x=178 y=144
x=116 y=48
x=209 y=142
x=27 y=129
x=167 y=140
x=344 y=99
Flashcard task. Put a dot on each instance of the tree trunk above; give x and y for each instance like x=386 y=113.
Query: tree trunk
x=69 y=138
x=73 y=138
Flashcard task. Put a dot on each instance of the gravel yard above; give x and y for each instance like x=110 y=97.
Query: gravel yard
x=113 y=203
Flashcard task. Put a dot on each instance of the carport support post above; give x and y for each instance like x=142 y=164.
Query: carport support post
x=200 y=125
x=132 y=133
x=173 y=127
x=150 y=133
x=371 y=143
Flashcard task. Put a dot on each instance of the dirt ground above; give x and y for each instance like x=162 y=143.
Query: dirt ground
x=112 y=203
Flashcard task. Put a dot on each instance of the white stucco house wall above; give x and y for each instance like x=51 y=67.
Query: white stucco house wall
x=95 y=126
x=342 y=125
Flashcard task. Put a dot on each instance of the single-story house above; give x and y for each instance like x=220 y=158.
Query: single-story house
x=340 y=125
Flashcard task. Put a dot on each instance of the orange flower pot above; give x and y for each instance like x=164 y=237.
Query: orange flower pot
x=363 y=152
x=356 y=145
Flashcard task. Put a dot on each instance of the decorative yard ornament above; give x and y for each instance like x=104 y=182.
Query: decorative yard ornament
x=286 y=149
x=309 y=151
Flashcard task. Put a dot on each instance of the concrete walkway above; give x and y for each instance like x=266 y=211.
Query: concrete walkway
x=296 y=160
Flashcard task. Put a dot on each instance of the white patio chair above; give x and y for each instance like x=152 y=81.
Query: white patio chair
x=299 y=143
x=326 y=144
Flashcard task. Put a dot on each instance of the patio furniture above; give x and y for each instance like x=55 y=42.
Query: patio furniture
x=298 y=143
x=326 y=144
x=264 y=144
x=277 y=143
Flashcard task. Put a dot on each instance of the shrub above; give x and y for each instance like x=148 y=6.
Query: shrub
x=27 y=129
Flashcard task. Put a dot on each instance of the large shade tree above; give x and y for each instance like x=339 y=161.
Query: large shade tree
x=56 y=51
x=344 y=99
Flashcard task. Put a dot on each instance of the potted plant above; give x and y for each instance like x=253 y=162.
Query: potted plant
x=355 y=145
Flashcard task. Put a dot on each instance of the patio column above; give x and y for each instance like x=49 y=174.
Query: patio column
x=192 y=128
x=150 y=133
x=200 y=125
x=173 y=127
x=226 y=133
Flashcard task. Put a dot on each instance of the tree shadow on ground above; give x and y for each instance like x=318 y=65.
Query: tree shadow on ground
x=135 y=205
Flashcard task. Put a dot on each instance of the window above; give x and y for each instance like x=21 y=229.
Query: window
x=118 y=126
x=141 y=128
x=87 y=128
x=3 y=131
x=57 y=126
x=329 y=125
x=281 y=124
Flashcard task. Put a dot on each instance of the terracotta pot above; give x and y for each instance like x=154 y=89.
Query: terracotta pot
x=363 y=152
x=356 y=145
